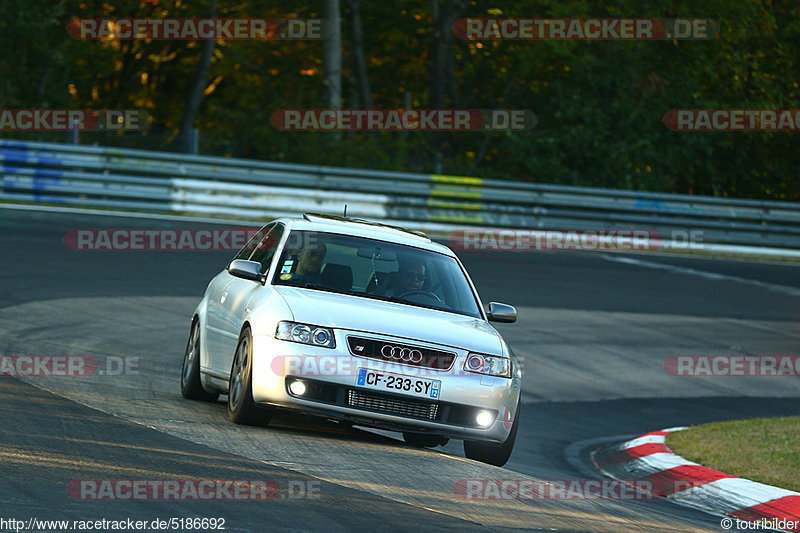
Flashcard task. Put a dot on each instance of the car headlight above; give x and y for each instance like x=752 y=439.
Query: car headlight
x=305 y=334
x=488 y=364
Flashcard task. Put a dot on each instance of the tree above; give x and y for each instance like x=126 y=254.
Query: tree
x=332 y=56
x=360 y=64
x=184 y=140
x=442 y=48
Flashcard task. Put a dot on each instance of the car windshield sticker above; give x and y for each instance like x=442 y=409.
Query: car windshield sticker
x=287 y=267
x=286 y=276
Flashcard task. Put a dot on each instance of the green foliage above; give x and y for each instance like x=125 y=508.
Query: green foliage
x=600 y=104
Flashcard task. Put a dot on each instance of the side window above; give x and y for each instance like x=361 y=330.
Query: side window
x=251 y=245
x=266 y=248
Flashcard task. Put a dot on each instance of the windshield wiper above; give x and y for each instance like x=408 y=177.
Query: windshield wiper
x=312 y=285
x=320 y=287
x=382 y=297
x=394 y=299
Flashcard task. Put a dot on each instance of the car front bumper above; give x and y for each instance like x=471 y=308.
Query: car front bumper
x=330 y=376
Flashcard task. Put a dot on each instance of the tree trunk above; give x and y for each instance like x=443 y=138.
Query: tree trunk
x=358 y=54
x=183 y=141
x=443 y=66
x=332 y=56
x=442 y=48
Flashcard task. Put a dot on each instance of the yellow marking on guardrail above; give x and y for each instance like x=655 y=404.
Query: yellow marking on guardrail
x=447 y=218
x=453 y=192
x=461 y=180
x=454 y=205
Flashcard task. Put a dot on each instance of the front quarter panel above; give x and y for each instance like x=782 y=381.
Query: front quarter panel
x=203 y=314
x=267 y=308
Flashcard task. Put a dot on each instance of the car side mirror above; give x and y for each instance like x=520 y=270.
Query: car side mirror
x=250 y=270
x=501 y=312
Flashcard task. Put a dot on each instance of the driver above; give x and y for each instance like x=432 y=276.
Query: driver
x=410 y=277
x=309 y=264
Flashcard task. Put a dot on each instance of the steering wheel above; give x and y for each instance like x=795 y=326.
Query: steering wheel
x=420 y=292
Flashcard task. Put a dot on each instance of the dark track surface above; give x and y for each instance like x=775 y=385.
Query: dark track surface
x=54 y=441
x=39 y=266
x=48 y=440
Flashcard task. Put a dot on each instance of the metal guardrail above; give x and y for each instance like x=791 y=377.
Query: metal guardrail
x=168 y=182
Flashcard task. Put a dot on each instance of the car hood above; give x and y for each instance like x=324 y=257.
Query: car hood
x=389 y=318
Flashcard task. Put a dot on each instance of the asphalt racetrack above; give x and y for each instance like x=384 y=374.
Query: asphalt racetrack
x=594 y=331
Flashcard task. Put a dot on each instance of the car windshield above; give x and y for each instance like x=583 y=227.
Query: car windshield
x=375 y=269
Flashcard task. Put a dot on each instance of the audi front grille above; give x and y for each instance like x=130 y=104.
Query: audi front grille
x=401 y=353
x=442 y=412
x=392 y=405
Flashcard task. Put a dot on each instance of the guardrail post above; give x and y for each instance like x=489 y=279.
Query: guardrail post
x=73 y=132
x=194 y=141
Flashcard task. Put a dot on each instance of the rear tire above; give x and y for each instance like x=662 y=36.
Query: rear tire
x=191 y=387
x=493 y=453
x=241 y=408
x=424 y=441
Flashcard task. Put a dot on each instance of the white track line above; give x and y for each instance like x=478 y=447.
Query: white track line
x=791 y=291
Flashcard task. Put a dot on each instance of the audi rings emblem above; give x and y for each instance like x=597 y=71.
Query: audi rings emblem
x=409 y=355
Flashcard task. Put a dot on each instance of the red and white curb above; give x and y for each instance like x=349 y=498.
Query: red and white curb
x=648 y=459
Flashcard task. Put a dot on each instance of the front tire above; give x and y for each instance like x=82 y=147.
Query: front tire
x=490 y=452
x=241 y=408
x=191 y=387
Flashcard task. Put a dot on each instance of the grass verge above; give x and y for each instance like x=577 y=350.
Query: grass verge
x=766 y=450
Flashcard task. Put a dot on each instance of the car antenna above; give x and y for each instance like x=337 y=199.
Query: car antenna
x=345 y=211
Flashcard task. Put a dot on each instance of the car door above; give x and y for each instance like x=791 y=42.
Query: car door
x=212 y=320
x=216 y=295
x=238 y=293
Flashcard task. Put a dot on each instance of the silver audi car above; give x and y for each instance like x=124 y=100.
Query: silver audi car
x=361 y=322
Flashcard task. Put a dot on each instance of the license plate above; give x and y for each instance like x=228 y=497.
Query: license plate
x=386 y=381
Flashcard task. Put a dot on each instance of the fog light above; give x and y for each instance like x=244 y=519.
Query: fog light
x=484 y=418
x=298 y=388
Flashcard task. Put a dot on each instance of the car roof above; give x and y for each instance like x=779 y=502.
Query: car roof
x=364 y=228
